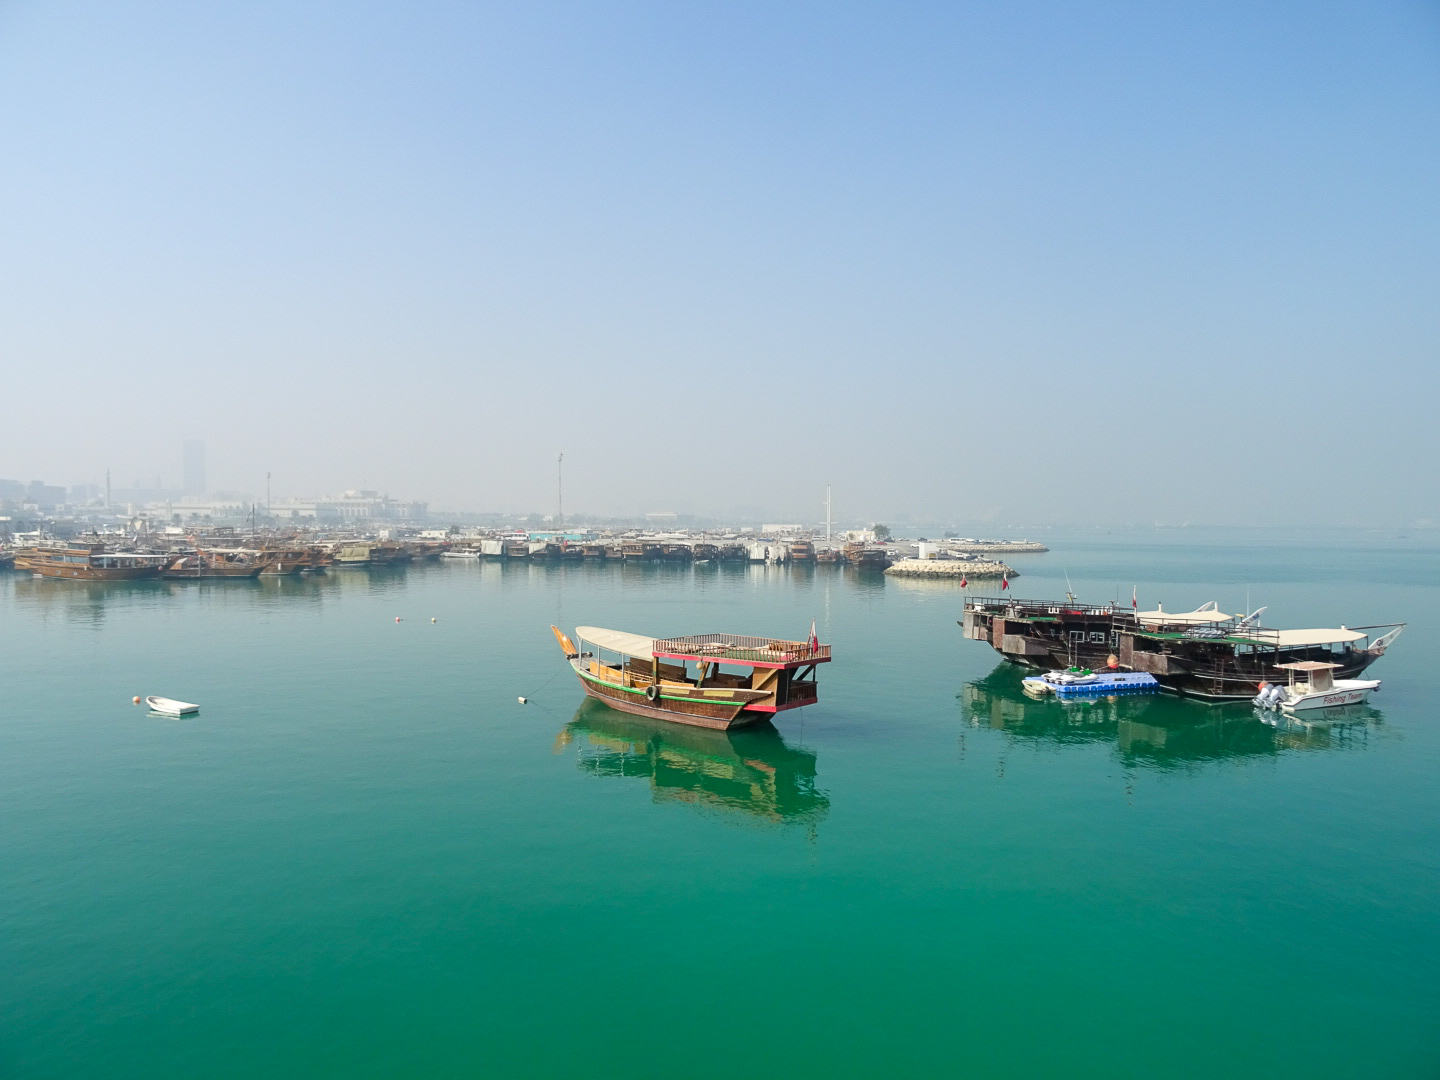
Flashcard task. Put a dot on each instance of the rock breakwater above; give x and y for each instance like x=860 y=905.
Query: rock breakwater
x=947 y=568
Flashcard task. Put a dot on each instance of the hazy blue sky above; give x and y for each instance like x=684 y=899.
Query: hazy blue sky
x=1013 y=261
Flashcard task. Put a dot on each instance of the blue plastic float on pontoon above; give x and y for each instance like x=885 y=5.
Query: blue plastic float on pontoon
x=1092 y=683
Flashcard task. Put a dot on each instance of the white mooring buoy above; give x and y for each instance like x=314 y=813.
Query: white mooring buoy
x=523 y=701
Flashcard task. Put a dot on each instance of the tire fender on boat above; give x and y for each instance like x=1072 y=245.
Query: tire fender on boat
x=652 y=692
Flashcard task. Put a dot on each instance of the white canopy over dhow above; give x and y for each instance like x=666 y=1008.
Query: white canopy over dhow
x=617 y=640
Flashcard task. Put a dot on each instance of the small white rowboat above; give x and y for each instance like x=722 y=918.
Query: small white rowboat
x=170 y=707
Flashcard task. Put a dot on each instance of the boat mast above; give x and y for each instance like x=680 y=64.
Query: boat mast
x=827 y=512
x=559 y=491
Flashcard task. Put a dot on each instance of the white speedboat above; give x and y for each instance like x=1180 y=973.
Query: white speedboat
x=1313 y=686
x=460 y=553
x=170 y=707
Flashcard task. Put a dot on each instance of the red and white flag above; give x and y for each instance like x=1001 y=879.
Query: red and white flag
x=814 y=641
x=1004 y=581
x=964 y=581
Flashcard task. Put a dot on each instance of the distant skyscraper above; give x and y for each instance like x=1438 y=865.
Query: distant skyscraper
x=194 y=467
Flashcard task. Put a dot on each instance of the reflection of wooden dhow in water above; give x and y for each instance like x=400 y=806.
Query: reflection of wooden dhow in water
x=1164 y=732
x=685 y=679
x=749 y=771
x=87 y=562
x=1202 y=653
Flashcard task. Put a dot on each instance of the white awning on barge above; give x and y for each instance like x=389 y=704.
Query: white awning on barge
x=617 y=640
x=1199 y=617
x=1299 y=639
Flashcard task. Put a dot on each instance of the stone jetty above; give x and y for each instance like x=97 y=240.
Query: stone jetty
x=949 y=568
x=997 y=546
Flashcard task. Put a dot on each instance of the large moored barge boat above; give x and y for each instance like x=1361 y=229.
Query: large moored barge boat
x=87 y=562
x=1203 y=653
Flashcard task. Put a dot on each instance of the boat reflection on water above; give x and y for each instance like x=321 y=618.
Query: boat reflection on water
x=749 y=773
x=1157 y=729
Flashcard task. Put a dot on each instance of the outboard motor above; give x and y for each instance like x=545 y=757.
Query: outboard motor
x=1270 y=696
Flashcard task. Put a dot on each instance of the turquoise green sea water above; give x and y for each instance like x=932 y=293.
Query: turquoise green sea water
x=365 y=858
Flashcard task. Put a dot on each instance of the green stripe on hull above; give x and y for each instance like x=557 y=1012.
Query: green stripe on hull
x=632 y=690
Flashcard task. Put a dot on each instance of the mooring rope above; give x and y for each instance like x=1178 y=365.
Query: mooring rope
x=525 y=699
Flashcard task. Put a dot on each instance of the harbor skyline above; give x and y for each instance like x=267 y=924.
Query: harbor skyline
x=937 y=257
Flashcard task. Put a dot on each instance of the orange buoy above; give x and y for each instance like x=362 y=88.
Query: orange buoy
x=135 y=701
x=397 y=618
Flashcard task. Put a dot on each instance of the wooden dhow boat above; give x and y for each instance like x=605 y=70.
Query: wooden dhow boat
x=210 y=564
x=718 y=681
x=87 y=562
x=867 y=556
x=1203 y=653
x=284 y=561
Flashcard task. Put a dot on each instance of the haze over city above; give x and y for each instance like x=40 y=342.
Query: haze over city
x=1030 y=262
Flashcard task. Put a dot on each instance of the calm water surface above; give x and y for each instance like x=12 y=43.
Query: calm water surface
x=365 y=858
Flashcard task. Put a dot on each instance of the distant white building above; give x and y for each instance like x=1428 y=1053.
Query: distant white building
x=355 y=505
x=187 y=510
x=783 y=530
